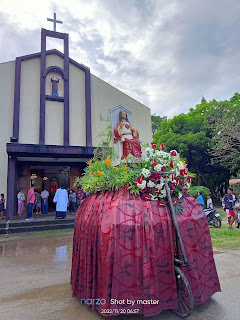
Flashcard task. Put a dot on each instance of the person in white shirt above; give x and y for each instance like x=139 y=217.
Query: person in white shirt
x=44 y=196
x=21 y=199
x=61 y=200
x=209 y=202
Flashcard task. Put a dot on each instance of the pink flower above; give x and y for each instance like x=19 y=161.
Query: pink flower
x=173 y=153
x=171 y=164
x=146 y=196
x=163 y=168
x=153 y=145
x=185 y=190
x=175 y=201
x=161 y=147
x=154 y=163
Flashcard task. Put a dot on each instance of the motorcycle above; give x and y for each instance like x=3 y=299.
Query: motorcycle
x=237 y=221
x=213 y=218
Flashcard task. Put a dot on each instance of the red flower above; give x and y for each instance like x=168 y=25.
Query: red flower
x=153 y=145
x=182 y=172
x=185 y=190
x=171 y=190
x=161 y=147
x=178 y=180
x=155 y=176
x=173 y=175
x=163 y=168
x=154 y=163
x=175 y=201
x=158 y=191
x=171 y=164
x=161 y=203
x=174 y=153
x=140 y=179
x=146 y=196
x=189 y=179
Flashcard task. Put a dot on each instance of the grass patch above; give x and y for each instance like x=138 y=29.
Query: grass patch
x=53 y=231
x=225 y=238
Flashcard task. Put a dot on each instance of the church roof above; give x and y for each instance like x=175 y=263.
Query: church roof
x=58 y=53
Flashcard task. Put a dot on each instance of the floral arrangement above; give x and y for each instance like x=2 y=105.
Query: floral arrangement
x=145 y=177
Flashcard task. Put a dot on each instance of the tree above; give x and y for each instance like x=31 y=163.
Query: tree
x=225 y=123
x=191 y=134
x=156 y=120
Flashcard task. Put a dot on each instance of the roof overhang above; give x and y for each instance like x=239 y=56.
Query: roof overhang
x=34 y=151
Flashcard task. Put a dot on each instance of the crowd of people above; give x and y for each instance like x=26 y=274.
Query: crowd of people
x=66 y=201
x=230 y=204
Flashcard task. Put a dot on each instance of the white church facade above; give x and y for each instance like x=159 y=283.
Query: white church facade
x=50 y=119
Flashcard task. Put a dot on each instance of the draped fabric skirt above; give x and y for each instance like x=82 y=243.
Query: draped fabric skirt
x=123 y=250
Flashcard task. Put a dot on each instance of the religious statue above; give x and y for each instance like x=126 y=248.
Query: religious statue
x=55 y=82
x=129 y=136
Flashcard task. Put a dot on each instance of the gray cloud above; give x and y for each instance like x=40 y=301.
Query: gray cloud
x=167 y=54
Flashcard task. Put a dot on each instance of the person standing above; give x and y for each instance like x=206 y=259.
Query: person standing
x=2 y=202
x=228 y=202
x=209 y=202
x=61 y=200
x=38 y=202
x=21 y=199
x=200 y=199
x=72 y=200
x=30 y=202
x=80 y=196
x=44 y=196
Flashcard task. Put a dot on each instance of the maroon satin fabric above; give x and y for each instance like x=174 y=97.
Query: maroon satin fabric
x=123 y=248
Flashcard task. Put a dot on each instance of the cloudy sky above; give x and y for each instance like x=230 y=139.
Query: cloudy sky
x=165 y=53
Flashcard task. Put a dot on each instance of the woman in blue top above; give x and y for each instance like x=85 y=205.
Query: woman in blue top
x=200 y=199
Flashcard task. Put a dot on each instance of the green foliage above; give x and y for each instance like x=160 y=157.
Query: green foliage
x=192 y=134
x=156 y=120
x=194 y=191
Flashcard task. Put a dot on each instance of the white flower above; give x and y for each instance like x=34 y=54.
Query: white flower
x=153 y=197
x=164 y=193
x=160 y=185
x=148 y=149
x=146 y=172
x=158 y=167
x=180 y=195
x=158 y=152
x=151 y=184
x=142 y=185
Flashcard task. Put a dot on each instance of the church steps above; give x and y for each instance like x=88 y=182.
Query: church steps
x=33 y=226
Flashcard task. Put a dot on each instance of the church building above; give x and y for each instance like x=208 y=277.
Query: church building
x=51 y=109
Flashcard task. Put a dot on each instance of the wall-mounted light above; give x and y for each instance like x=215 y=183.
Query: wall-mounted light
x=45 y=178
x=33 y=176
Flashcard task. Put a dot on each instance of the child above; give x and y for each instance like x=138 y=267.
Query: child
x=38 y=202
x=228 y=203
x=209 y=202
x=200 y=199
x=2 y=201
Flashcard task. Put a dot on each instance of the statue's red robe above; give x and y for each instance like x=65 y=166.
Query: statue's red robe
x=130 y=146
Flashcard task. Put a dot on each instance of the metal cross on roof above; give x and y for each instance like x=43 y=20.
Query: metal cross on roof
x=55 y=21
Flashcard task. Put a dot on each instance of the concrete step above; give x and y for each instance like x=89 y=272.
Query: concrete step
x=24 y=223
x=65 y=224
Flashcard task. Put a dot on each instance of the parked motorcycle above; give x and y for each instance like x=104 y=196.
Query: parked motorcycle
x=237 y=221
x=213 y=218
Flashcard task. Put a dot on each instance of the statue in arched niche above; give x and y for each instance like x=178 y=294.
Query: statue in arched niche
x=129 y=136
x=55 y=81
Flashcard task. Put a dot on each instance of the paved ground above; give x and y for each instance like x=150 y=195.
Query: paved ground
x=35 y=275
